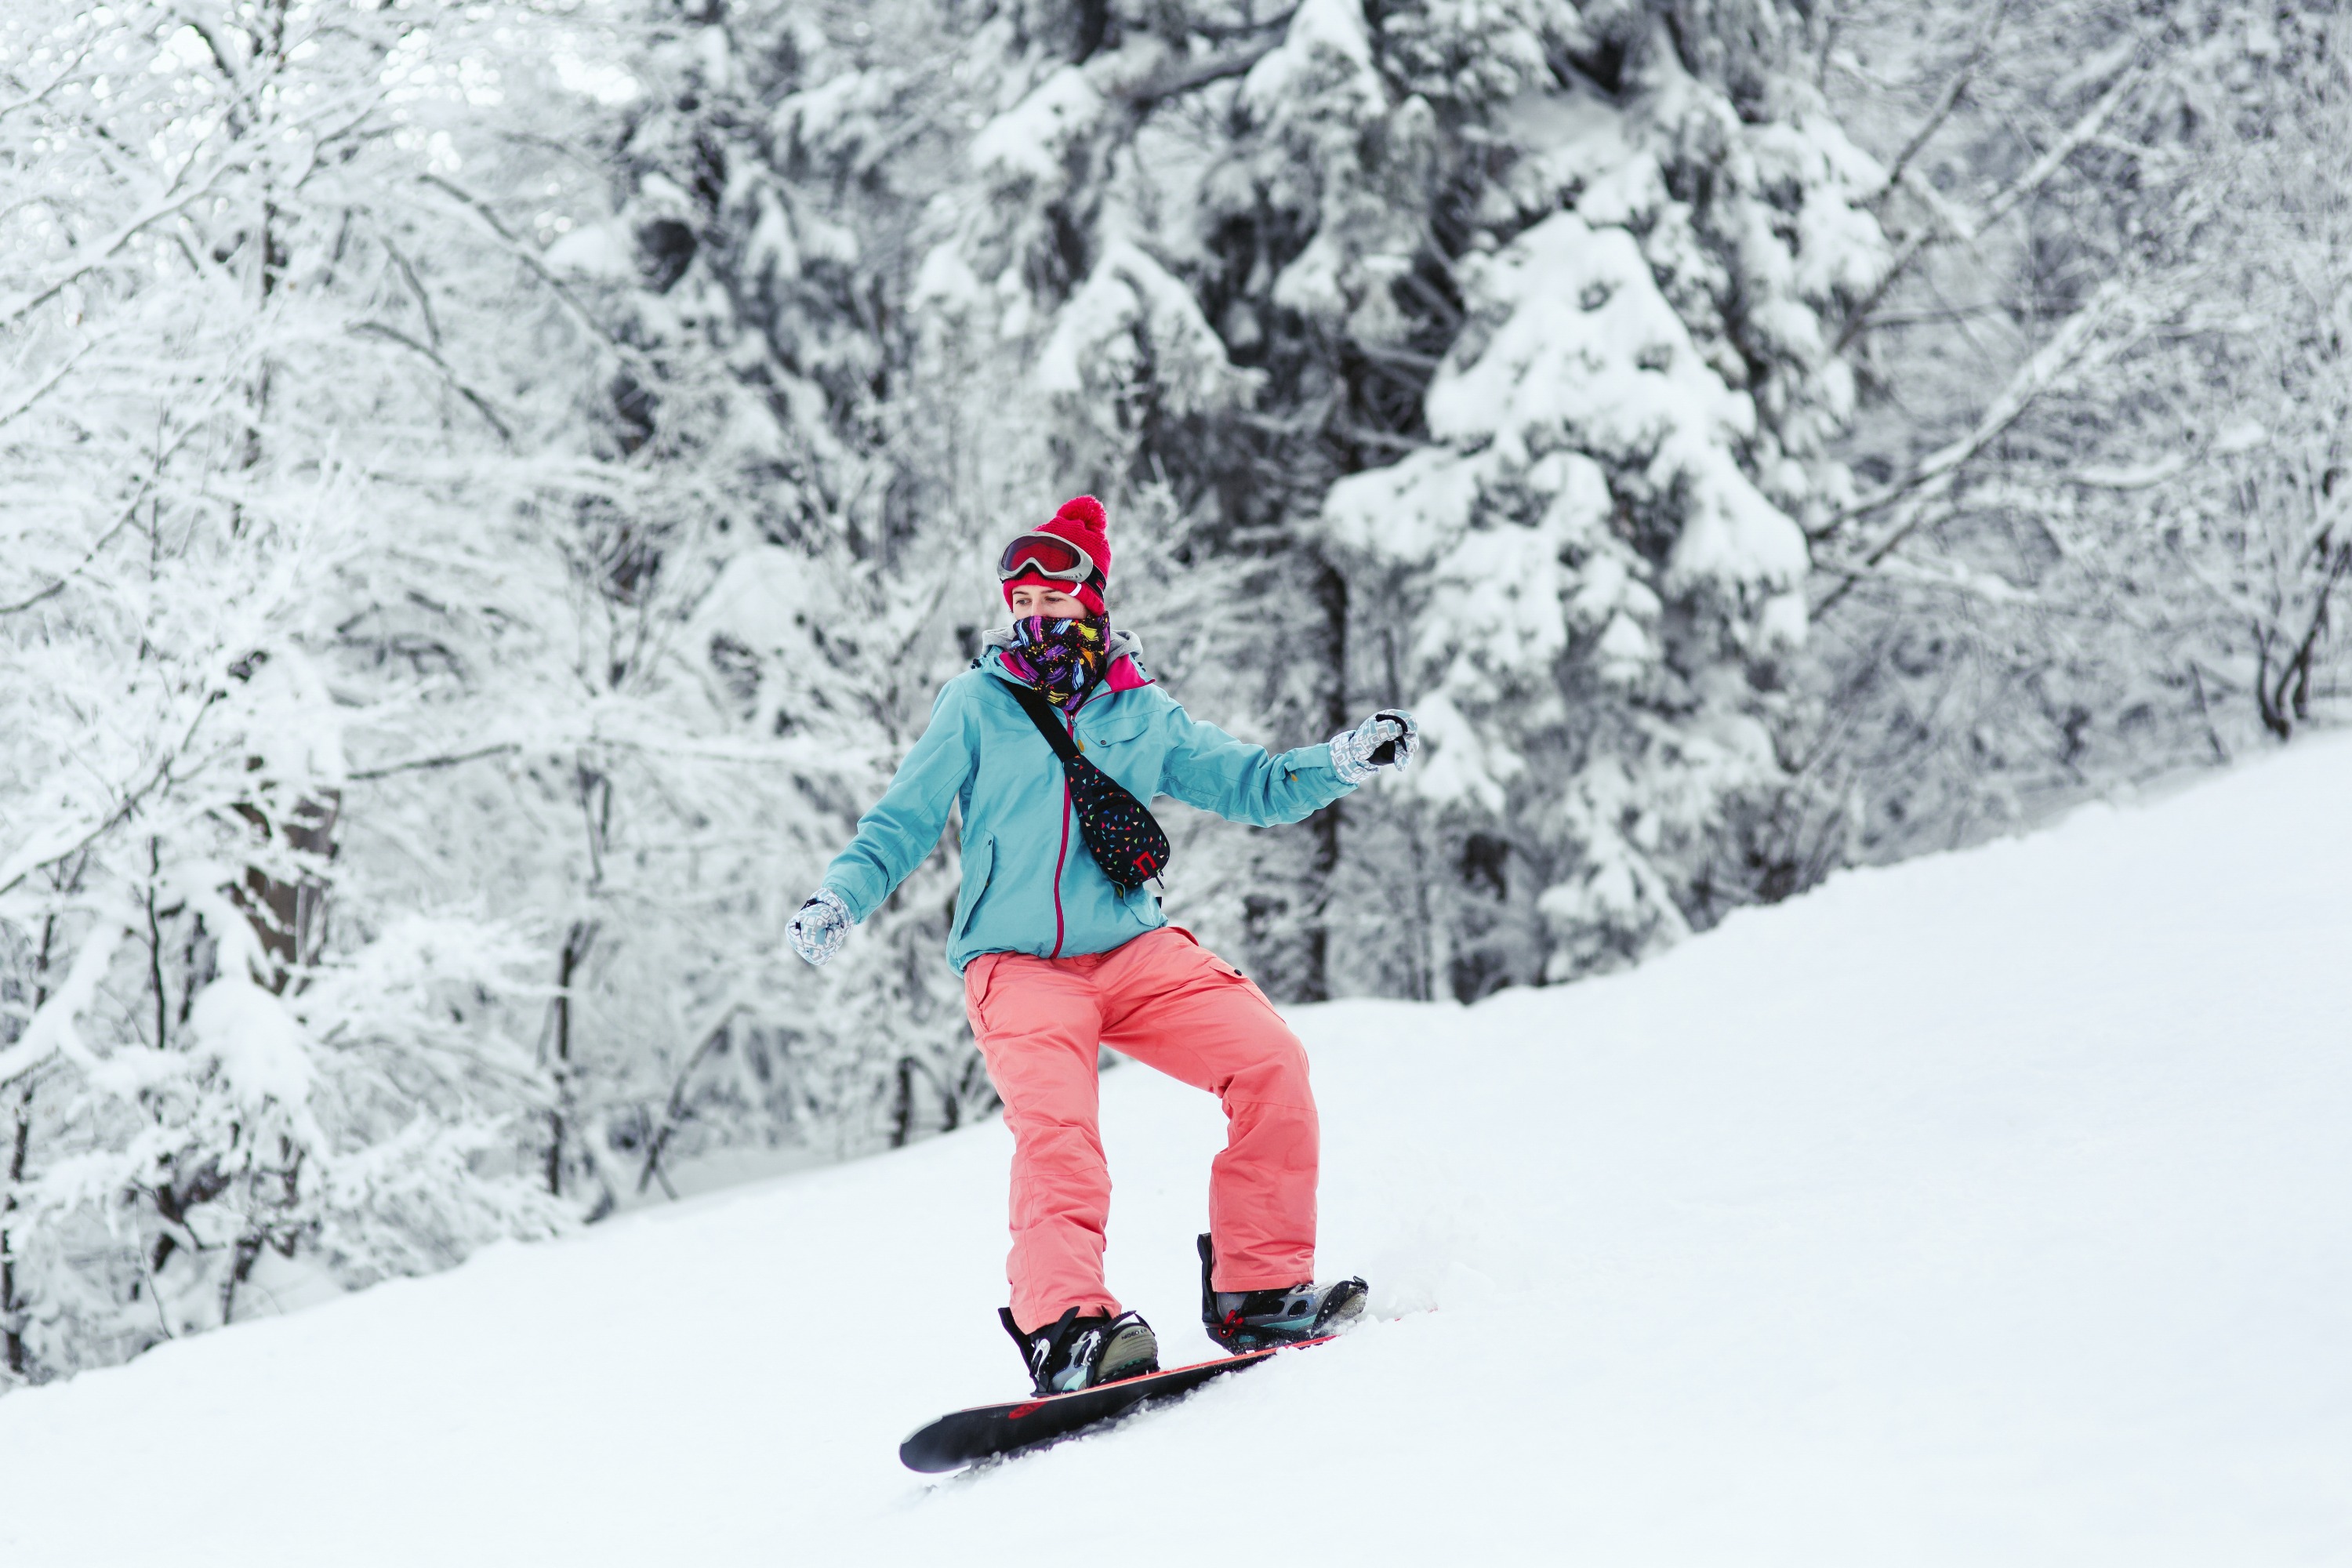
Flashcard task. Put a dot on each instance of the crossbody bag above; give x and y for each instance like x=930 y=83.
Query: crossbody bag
x=1121 y=832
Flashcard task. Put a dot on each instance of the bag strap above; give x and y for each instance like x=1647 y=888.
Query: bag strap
x=1041 y=712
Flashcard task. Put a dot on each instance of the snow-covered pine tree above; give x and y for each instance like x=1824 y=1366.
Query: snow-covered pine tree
x=1590 y=581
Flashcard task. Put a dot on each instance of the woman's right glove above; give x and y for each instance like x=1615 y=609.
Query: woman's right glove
x=1384 y=739
x=823 y=925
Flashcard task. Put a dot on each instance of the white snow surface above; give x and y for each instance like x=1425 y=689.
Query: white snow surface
x=1991 y=1208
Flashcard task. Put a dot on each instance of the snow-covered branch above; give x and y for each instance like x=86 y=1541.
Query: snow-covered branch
x=1934 y=473
x=1948 y=225
x=177 y=198
x=1947 y=99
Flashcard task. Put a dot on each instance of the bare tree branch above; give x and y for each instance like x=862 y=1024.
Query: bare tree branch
x=481 y=404
x=34 y=100
x=2051 y=360
x=430 y=765
x=42 y=389
x=1223 y=32
x=34 y=858
x=530 y=257
x=97 y=255
x=1162 y=86
x=1946 y=101
x=1933 y=480
x=130 y=512
x=1967 y=230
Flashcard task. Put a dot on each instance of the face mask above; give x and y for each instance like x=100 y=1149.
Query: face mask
x=1062 y=658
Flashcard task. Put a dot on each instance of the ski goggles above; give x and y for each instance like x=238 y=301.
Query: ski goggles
x=1045 y=555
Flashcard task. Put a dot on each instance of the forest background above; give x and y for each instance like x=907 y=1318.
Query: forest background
x=491 y=490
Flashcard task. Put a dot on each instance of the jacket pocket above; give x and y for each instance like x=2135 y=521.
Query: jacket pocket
x=979 y=867
x=1115 y=728
x=1127 y=746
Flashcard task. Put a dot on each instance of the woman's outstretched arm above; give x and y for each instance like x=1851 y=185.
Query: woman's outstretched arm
x=1207 y=768
x=904 y=826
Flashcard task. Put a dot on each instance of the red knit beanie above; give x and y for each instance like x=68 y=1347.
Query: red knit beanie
x=1084 y=523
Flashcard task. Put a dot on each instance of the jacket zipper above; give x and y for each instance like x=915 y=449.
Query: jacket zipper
x=1063 y=854
x=1057 y=871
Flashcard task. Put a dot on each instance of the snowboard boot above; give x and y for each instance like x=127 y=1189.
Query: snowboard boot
x=1243 y=1321
x=1074 y=1352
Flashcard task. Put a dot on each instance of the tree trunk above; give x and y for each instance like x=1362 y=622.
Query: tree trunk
x=1331 y=598
x=290 y=918
x=12 y=1306
x=576 y=942
x=11 y=1309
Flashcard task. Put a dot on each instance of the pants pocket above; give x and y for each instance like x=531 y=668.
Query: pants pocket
x=1207 y=957
x=979 y=977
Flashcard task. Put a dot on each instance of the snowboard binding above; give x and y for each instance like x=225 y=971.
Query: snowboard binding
x=1074 y=1352
x=1244 y=1320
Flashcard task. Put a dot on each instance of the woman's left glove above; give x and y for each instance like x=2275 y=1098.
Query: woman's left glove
x=1387 y=737
x=817 y=932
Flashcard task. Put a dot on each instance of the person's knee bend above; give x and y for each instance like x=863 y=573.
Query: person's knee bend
x=1278 y=1076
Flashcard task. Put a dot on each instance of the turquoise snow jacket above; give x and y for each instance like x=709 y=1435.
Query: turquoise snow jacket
x=1029 y=884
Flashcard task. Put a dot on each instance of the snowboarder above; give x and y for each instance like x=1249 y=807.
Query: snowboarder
x=1063 y=949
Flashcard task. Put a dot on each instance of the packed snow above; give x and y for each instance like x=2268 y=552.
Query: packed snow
x=1990 y=1208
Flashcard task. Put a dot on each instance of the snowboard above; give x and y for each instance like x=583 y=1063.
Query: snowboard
x=987 y=1431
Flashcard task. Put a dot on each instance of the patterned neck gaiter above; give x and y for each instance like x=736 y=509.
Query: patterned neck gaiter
x=1062 y=658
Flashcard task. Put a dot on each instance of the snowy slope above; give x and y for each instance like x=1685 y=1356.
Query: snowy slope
x=1993 y=1208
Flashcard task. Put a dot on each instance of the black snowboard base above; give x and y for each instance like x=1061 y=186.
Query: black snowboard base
x=986 y=1431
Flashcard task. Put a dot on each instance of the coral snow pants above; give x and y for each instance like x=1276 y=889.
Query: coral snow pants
x=1170 y=1004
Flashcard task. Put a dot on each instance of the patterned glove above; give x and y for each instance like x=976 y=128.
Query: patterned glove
x=1384 y=739
x=817 y=932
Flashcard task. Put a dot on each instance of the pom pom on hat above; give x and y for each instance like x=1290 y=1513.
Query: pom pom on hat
x=1084 y=523
x=1087 y=512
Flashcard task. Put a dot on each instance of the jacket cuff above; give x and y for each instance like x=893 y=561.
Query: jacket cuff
x=1316 y=769
x=1351 y=754
x=845 y=898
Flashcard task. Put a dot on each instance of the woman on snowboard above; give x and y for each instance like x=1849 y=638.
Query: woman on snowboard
x=1059 y=959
